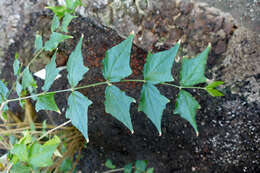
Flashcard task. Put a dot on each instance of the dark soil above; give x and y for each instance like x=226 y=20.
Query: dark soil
x=229 y=127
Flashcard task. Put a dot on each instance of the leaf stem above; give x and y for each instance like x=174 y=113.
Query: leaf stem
x=133 y=80
x=181 y=87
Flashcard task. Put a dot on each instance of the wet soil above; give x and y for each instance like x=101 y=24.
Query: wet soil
x=229 y=126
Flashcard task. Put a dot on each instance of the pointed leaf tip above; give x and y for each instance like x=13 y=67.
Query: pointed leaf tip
x=158 y=66
x=117 y=103
x=186 y=107
x=211 y=88
x=51 y=73
x=193 y=69
x=77 y=112
x=46 y=102
x=117 y=59
x=75 y=65
x=152 y=103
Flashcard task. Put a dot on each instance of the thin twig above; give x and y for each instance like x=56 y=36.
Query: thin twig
x=50 y=131
x=114 y=170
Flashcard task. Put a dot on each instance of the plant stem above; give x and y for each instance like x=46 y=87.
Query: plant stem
x=94 y=85
x=114 y=170
x=28 y=65
x=54 y=92
x=50 y=131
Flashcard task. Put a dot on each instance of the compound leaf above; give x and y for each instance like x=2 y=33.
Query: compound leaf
x=54 y=40
x=51 y=73
x=75 y=66
x=46 y=102
x=192 y=70
x=16 y=65
x=28 y=81
x=117 y=103
x=158 y=66
x=55 y=23
x=41 y=155
x=116 y=61
x=186 y=106
x=152 y=103
x=66 y=21
x=78 y=112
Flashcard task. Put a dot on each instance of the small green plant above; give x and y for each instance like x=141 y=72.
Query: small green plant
x=157 y=71
x=140 y=166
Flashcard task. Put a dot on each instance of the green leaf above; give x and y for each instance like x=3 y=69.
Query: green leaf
x=116 y=61
x=51 y=73
x=66 y=165
x=76 y=4
x=158 y=67
x=192 y=70
x=41 y=155
x=140 y=166
x=186 y=106
x=26 y=139
x=3 y=90
x=78 y=112
x=54 y=40
x=109 y=164
x=55 y=24
x=69 y=3
x=128 y=168
x=21 y=168
x=46 y=102
x=73 y=4
x=210 y=88
x=38 y=42
x=117 y=103
x=16 y=65
x=152 y=103
x=75 y=66
x=27 y=81
x=59 y=10
x=66 y=21
x=150 y=170
x=214 y=84
x=214 y=92
x=20 y=150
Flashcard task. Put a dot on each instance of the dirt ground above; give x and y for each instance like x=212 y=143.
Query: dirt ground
x=229 y=126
